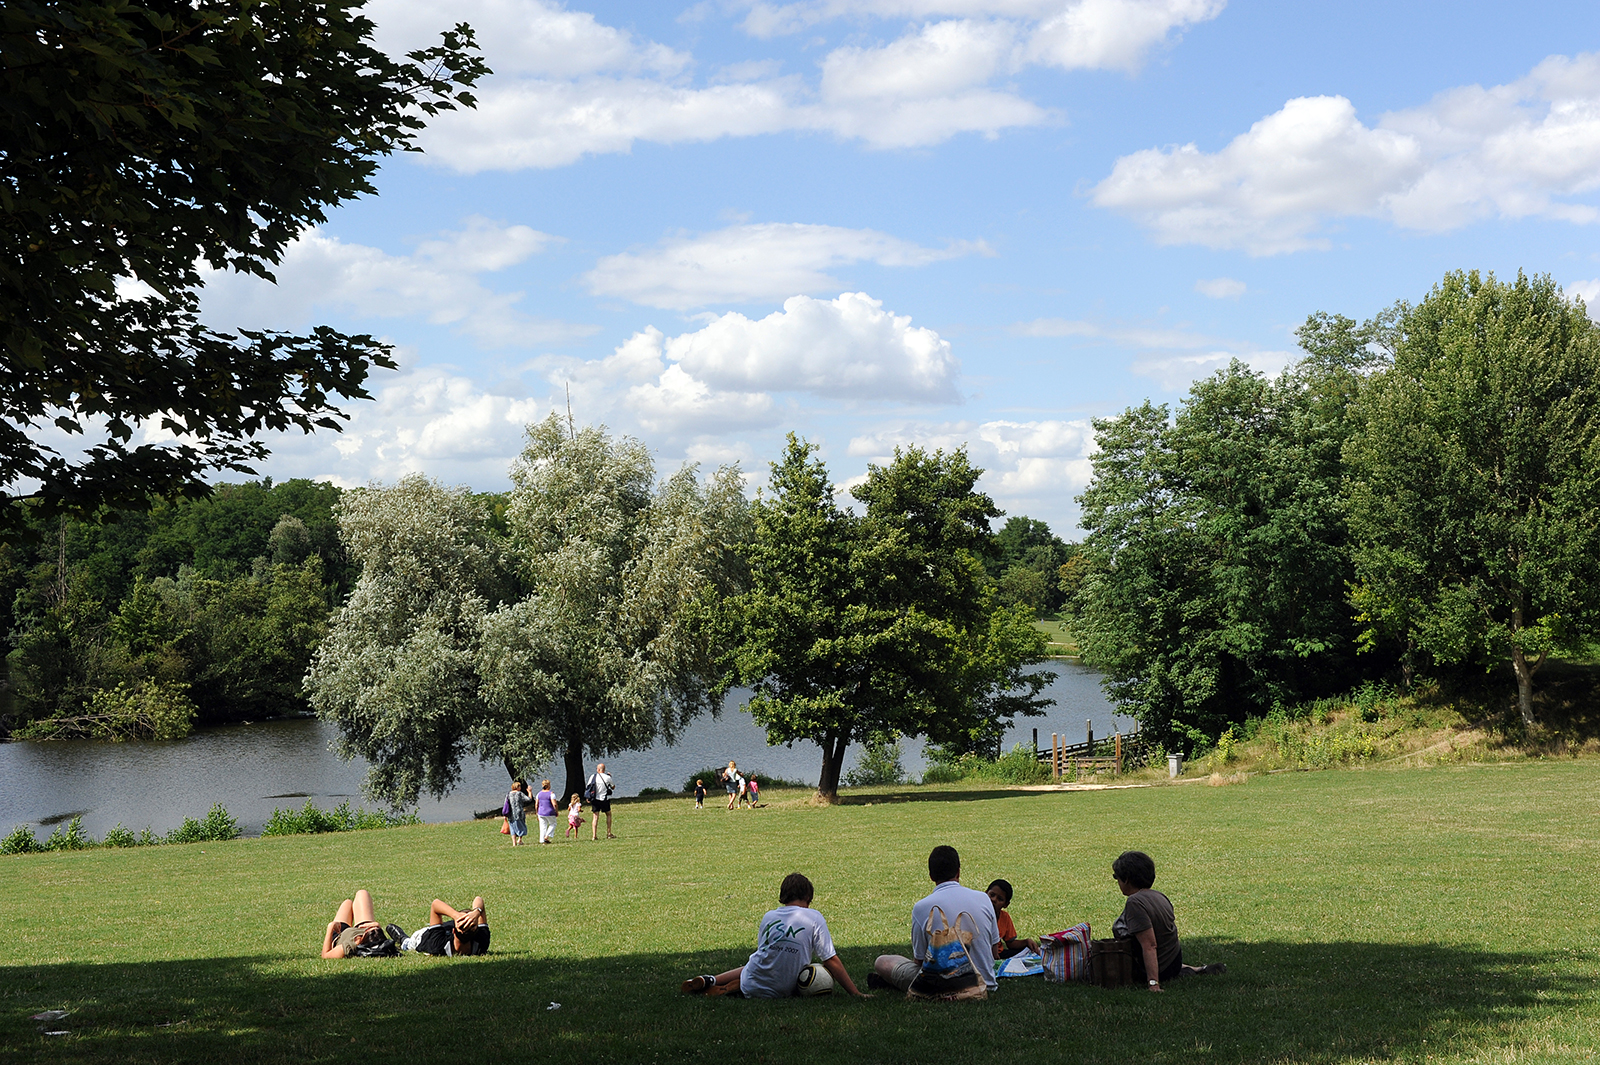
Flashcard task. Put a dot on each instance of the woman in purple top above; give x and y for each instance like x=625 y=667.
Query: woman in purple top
x=544 y=804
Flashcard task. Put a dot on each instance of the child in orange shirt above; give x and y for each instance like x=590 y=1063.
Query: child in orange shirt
x=1000 y=895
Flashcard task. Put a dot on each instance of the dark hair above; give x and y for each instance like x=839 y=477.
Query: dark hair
x=475 y=941
x=1003 y=885
x=795 y=888
x=1136 y=867
x=943 y=864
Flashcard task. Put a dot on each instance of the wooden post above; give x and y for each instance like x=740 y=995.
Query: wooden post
x=1119 y=754
x=1055 y=757
x=1036 y=743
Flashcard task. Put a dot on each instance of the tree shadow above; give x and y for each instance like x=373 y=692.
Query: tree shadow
x=920 y=795
x=1301 y=1002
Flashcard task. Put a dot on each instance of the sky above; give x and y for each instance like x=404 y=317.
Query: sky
x=948 y=223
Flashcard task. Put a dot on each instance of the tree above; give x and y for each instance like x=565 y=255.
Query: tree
x=141 y=140
x=1027 y=564
x=1474 y=478
x=856 y=628
x=583 y=632
x=1214 y=573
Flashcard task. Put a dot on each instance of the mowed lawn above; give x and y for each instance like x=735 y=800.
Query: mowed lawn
x=1443 y=915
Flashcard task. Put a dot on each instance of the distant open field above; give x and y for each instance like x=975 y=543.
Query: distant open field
x=1061 y=641
x=1449 y=914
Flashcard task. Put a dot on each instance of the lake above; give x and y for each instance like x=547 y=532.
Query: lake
x=251 y=769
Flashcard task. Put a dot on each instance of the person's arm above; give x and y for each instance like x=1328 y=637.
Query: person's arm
x=840 y=976
x=1146 y=938
x=328 y=949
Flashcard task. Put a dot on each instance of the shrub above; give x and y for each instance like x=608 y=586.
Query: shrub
x=879 y=763
x=21 y=841
x=120 y=837
x=656 y=793
x=714 y=782
x=1020 y=765
x=310 y=819
x=216 y=827
x=69 y=837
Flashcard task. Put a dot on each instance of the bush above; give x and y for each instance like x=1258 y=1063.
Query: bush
x=879 y=763
x=69 y=837
x=310 y=819
x=215 y=828
x=714 y=782
x=1020 y=765
x=656 y=793
x=21 y=841
x=120 y=837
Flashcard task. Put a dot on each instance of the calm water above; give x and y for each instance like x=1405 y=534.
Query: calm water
x=251 y=769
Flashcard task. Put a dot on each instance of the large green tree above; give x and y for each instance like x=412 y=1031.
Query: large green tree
x=140 y=141
x=581 y=630
x=1216 y=559
x=1474 y=478
x=883 y=624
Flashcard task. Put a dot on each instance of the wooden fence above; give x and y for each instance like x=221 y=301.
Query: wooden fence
x=1080 y=760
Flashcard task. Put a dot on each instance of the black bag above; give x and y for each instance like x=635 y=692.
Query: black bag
x=376 y=944
x=589 y=792
x=1111 y=962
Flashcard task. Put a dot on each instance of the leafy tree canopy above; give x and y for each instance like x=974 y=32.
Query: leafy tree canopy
x=140 y=142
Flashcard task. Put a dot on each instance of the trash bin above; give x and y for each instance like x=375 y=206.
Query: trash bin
x=1174 y=765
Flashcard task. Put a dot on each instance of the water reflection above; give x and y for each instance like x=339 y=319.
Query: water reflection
x=253 y=768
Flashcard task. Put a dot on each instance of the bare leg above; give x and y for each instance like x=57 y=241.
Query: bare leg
x=720 y=984
x=347 y=912
x=608 y=825
x=362 y=906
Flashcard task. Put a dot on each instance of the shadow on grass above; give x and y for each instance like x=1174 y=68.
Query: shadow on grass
x=1323 y=1002
x=918 y=794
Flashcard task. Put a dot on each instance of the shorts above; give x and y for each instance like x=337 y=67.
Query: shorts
x=600 y=806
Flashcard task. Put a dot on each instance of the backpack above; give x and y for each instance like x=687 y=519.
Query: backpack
x=379 y=946
x=948 y=974
x=589 y=791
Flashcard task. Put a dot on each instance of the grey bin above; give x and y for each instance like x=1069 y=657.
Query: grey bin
x=1174 y=765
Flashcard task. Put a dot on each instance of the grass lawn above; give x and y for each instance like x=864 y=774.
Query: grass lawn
x=1449 y=914
x=1061 y=641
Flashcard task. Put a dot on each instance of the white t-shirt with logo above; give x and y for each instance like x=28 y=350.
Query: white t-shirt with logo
x=789 y=939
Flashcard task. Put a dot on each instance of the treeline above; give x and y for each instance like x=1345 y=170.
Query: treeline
x=144 y=622
x=1419 y=495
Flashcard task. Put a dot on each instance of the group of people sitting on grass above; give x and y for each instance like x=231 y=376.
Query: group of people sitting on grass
x=957 y=935
x=355 y=932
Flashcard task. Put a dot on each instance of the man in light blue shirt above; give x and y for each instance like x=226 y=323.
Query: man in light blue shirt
x=952 y=900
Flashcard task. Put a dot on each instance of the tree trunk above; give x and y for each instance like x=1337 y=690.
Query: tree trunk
x=511 y=769
x=833 y=748
x=1525 y=670
x=573 y=757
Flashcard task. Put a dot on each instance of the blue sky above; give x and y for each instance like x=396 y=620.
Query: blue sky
x=943 y=222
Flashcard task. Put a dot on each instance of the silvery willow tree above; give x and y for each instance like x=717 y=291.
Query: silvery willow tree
x=580 y=632
x=856 y=628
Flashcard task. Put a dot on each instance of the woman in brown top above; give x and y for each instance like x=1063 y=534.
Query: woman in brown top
x=351 y=927
x=1147 y=917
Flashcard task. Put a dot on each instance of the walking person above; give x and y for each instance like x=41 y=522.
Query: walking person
x=730 y=781
x=603 y=788
x=544 y=804
x=519 y=799
x=575 y=817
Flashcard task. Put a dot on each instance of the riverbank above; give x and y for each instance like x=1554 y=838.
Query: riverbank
x=1363 y=916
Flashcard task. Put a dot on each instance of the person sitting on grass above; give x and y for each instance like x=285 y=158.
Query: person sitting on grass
x=1148 y=919
x=957 y=905
x=450 y=931
x=354 y=932
x=1000 y=894
x=787 y=940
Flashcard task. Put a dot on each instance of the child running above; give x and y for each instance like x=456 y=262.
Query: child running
x=1000 y=894
x=755 y=792
x=699 y=795
x=575 y=816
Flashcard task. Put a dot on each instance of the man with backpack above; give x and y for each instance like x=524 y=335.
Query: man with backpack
x=598 y=793
x=953 y=935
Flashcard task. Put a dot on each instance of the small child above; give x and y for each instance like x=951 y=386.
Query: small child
x=755 y=793
x=575 y=815
x=699 y=795
x=1000 y=895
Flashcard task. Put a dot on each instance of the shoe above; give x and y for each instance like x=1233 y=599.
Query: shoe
x=395 y=932
x=699 y=985
x=876 y=982
x=1215 y=967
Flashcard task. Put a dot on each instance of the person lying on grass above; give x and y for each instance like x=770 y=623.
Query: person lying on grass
x=354 y=932
x=787 y=940
x=1000 y=894
x=450 y=931
x=1147 y=917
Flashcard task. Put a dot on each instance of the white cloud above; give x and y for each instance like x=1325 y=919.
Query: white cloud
x=1220 y=288
x=1032 y=467
x=746 y=263
x=1512 y=151
x=437 y=284
x=566 y=85
x=1589 y=291
x=1175 y=373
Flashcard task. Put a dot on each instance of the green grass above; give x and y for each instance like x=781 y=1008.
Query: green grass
x=1060 y=637
x=1448 y=914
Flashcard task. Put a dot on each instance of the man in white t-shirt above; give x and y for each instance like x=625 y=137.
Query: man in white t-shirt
x=601 y=803
x=944 y=869
x=788 y=939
